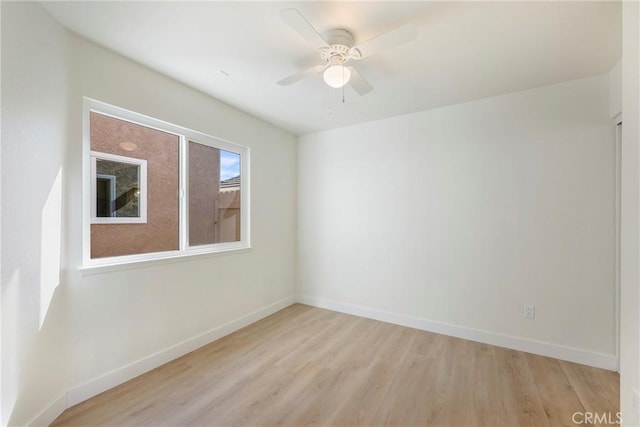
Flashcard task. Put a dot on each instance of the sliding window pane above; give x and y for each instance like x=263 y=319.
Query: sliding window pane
x=121 y=187
x=214 y=195
x=229 y=209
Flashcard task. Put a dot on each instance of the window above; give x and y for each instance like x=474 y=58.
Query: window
x=118 y=189
x=153 y=190
x=214 y=195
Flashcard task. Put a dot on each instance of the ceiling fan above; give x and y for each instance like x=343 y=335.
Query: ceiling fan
x=336 y=48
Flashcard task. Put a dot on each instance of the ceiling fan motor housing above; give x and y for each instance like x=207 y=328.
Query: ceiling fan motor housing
x=340 y=47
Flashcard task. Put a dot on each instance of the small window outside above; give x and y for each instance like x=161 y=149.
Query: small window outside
x=154 y=190
x=119 y=189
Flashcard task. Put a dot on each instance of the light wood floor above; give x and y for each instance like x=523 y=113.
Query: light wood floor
x=305 y=366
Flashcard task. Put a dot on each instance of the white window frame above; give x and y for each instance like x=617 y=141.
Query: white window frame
x=142 y=203
x=97 y=265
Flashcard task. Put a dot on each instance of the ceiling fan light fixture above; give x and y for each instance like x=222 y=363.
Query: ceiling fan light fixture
x=336 y=76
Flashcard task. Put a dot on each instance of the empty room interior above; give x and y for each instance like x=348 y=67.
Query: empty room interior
x=336 y=213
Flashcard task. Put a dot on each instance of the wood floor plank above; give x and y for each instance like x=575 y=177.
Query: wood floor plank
x=597 y=390
x=558 y=397
x=406 y=401
x=518 y=390
x=308 y=366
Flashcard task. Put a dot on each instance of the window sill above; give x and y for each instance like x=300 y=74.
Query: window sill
x=169 y=258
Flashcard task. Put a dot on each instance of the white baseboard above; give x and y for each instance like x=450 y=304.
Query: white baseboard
x=598 y=360
x=51 y=412
x=118 y=376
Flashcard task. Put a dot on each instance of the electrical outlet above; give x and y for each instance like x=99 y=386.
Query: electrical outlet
x=529 y=311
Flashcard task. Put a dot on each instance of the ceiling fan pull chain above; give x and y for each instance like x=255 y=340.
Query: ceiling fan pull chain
x=343 y=83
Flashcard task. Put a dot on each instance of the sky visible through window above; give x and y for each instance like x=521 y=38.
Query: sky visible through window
x=229 y=165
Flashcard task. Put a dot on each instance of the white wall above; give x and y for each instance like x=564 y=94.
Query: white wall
x=615 y=90
x=630 y=233
x=451 y=219
x=101 y=329
x=35 y=108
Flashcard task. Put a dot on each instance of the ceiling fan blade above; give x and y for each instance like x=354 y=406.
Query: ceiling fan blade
x=400 y=35
x=303 y=27
x=301 y=75
x=359 y=83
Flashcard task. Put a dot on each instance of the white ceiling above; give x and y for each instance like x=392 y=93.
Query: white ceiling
x=236 y=51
